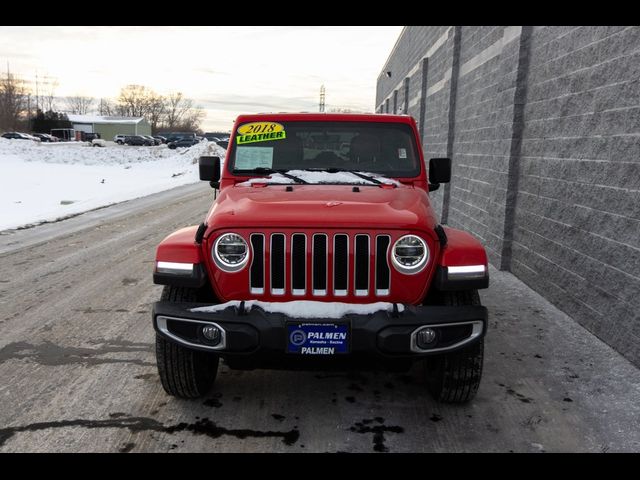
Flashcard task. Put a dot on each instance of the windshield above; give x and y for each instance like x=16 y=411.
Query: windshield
x=386 y=149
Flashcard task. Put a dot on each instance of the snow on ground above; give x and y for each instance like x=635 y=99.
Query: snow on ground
x=306 y=308
x=46 y=181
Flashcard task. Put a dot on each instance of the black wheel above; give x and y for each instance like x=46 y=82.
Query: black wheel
x=184 y=373
x=455 y=377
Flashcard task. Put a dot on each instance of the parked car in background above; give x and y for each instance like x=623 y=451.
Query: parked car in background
x=161 y=138
x=151 y=139
x=119 y=139
x=215 y=136
x=223 y=143
x=45 y=137
x=98 y=142
x=175 y=136
x=136 y=140
x=183 y=142
x=19 y=136
x=15 y=136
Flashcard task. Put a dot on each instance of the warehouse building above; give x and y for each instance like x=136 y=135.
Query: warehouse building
x=543 y=127
x=109 y=127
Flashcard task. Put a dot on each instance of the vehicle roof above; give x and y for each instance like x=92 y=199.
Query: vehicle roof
x=326 y=117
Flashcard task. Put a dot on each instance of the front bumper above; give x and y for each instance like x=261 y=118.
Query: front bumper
x=259 y=333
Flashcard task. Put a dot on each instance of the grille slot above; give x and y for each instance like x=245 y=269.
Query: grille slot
x=298 y=264
x=361 y=273
x=382 y=267
x=319 y=264
x=257 y=264
x=277 y=264
x=340 y=265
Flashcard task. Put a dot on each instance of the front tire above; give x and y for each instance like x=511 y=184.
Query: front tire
x=184 y=373
x=455 y=377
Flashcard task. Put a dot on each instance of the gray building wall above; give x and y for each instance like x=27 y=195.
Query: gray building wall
x=543 y=126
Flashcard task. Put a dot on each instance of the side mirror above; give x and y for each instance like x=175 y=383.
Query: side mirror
x=439 y=172
x=209 y=169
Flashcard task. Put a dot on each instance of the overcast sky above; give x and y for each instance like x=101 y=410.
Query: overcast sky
x=226 y=70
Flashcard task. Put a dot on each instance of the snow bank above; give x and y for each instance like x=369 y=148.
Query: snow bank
x=307 y=308
x=46 y=181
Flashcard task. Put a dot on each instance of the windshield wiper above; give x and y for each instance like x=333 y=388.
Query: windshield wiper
x=347 y=170
x=271 y=170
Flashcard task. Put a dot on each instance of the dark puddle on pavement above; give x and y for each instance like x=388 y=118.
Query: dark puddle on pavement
x=213 y=402
x=48 y=353
x=378 y=428
x=515 y=394
x=127 y=448
x=202 y=426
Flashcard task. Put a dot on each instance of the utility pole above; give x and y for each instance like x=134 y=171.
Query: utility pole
x=37 y=94
x=322 y=96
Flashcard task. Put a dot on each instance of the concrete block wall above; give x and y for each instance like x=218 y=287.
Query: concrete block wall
x=543 y=126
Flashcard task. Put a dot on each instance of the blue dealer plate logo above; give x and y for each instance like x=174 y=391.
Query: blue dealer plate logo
x=317 y=338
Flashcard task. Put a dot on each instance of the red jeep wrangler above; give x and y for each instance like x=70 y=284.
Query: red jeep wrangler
x=321 y=250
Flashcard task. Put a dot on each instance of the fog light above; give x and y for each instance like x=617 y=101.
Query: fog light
x=426 y=338
x=212 y=334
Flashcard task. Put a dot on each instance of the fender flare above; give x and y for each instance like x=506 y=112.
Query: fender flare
x=462 y=250
x=179 y=261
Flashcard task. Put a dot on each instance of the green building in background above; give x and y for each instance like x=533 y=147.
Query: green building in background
x=109 y=127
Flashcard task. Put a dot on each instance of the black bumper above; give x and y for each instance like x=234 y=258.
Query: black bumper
x=384 y=334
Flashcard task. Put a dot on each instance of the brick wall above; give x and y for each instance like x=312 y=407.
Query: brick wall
x=543 y=126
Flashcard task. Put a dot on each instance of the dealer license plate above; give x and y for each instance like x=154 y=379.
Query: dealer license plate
x=317 y=338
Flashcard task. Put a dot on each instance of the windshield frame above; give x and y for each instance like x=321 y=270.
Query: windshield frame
x=402 y=176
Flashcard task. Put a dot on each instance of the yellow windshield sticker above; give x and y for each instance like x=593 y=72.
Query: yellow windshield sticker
x=260 y=132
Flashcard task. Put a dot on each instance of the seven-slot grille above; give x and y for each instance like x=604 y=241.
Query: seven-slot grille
x=308 y=260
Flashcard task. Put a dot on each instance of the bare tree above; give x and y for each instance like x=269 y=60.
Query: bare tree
x=105 y=107
x=48 y=97
x=79 y=105
x=13 y=102
x=156 y=109
x=133 y=101
x=192 y=119
x=176 y=109
x=172 y=112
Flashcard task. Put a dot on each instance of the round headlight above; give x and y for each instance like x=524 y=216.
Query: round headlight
x=410 y=254
x=230 y=252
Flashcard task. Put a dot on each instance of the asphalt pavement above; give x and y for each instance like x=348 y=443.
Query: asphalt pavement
x=78 y=373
